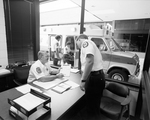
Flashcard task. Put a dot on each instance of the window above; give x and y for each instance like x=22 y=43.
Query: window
x=100 y=44
x=70 y=40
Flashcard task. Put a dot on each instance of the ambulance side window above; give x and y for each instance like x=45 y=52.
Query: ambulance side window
x=100 y=44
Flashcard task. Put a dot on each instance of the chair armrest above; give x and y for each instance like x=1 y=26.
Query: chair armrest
x=17 y=83
x=126 y=101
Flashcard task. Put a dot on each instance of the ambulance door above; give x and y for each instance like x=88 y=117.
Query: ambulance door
x=70 y=40
x=51 y=43
x=106 y=55
x=76 y=56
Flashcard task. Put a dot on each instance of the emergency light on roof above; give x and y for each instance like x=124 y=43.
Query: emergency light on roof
x=94 y=27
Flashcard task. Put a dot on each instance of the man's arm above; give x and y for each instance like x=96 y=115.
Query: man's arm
x=87 y=70
x=55 y=71
x=50 y=77
x=88 y=66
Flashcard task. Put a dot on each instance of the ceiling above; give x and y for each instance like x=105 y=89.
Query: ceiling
x=69 y=11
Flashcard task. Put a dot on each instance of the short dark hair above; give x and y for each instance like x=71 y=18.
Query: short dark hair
x=57 y=37
x=82 y=36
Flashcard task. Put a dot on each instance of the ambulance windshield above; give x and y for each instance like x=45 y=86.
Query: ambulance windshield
x=113 y=45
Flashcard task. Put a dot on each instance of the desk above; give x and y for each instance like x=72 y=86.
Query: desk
x=60 y=103
x=6 y=80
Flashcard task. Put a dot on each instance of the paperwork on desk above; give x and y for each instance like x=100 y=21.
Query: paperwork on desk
x=26 y=88
x=72 y=84
x=4 y=71
x=62 y=87
x=29 y=101
x=74 y=70
x=34 y=116
x=65 y=70
x=50 y=84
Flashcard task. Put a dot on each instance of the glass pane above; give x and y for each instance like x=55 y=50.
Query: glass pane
x=149 y=72
x=134 y=46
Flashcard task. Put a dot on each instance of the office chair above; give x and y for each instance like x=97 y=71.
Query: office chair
x=115 y=101
x=21 y=74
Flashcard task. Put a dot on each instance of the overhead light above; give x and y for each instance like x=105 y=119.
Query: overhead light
x=109 y=11
x=56 y=5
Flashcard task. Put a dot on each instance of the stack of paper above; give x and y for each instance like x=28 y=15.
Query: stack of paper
x=4 y=71
x=74 y=70
x=27 y=88
x=29 y=101
x=65 y=70
x=60 y=88
x=48 y=85
x=33 y=116
x=72 y=84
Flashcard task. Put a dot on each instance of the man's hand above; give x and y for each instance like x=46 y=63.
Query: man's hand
x=82 y=86
x=60 y=75
x=58 y=70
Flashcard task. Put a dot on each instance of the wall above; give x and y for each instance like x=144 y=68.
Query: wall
x=3 y=45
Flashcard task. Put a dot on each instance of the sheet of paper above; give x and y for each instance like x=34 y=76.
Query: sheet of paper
x=26 y=88
x=33 y=116
x=29 y=101
x=65 y=69
x=74 y=70
x=60 y=88
x=48 y=85
x=72 y=84
x=4 y=71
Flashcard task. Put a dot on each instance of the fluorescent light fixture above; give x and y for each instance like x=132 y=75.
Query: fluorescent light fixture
x=56 y=5
x=109 y=11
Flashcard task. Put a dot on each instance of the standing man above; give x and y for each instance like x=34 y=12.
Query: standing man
x=92 y=79
x=56 y=50
x=41 y=70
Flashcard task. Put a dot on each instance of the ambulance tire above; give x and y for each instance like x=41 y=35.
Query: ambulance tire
x=118 y=75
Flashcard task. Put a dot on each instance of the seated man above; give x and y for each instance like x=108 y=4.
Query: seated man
x=41 y=69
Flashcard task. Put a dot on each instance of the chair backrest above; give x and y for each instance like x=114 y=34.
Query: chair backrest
x=21 y=74
x=118 y=89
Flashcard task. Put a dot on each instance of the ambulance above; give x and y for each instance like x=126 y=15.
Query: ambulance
x=118 y=64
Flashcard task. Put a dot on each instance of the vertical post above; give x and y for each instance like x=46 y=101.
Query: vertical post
x=147 y=55
x=81 y=28
x=145 y=68
x=36 y=26
x=82 y=17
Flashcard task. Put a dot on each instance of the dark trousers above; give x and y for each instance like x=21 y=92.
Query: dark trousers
x=52 y=55
x=93 y=91
x=55 y=61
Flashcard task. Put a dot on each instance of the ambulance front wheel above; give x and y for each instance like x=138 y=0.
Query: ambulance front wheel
x=118 y=74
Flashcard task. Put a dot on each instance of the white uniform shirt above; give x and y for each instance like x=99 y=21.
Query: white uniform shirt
x=66 y=50
x=38 y=70
x=89 y=47
x=55 y=45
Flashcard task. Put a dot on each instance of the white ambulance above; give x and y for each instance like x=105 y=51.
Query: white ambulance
x=118 y=64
